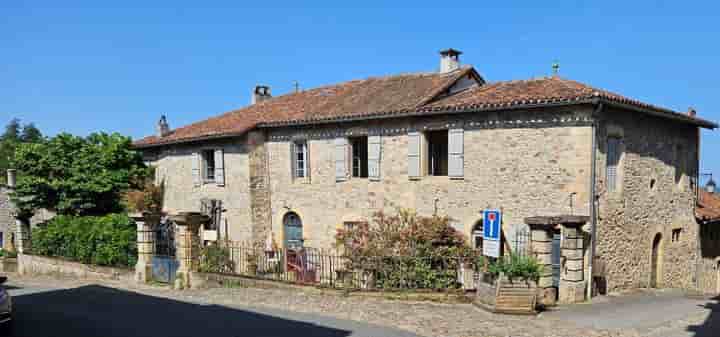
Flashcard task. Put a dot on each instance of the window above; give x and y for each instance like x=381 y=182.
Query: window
x=300 y=159
x=613 y=159
x=437 y=150
x=359 y=148
x=676 y=234
x=208 y=162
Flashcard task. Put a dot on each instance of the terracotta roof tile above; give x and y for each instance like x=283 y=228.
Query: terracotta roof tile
x=400 y=95
x=708 y=206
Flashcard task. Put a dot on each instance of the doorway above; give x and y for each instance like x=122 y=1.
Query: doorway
x=293 y=232
x=655 y=261
x=717 y=282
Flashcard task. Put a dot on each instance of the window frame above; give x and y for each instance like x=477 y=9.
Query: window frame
x=357 y=144
x=431 y=151
x=208 y=171
x=300 y=147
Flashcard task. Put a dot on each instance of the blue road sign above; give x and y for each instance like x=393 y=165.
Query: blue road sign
x=492 y=219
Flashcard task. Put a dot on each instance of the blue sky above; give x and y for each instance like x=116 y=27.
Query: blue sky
x=86 y=66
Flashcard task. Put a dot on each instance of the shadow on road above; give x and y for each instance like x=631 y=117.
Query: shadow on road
x=711 y=326
x=100 y=311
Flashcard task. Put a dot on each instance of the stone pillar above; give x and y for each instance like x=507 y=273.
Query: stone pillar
x=572 y=271
x=187 y=240
x=146 y=224
x=541 y=242
x=22 y=228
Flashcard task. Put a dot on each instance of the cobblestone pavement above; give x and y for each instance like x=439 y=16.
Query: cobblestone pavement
x=422 y=318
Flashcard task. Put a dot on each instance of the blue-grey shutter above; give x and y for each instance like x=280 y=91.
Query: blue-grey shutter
x=293 y=161
x=374 y=154
x=341 y=154
x=196 y=169
x=219 y=167
x=613 y=157
x=414 y=155
x=456 y=156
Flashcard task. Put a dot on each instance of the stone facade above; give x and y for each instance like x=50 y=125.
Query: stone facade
x=654 y=197
x=528 y=163
x=7 y=218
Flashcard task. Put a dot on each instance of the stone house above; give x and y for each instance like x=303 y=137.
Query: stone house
x=8 y=229
x=296 y=167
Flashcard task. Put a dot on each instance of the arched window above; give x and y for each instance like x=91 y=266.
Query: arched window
x=292 y=226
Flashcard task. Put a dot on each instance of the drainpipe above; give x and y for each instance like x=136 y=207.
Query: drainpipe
x=593 y=193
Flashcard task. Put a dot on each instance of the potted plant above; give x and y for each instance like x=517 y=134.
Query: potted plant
x=515 y=284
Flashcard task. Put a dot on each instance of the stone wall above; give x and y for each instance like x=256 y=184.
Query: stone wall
x=649 y=201
x=527 y=163
x=174 y=169
x=709 y=263
x=40 y=265
x=7 y=219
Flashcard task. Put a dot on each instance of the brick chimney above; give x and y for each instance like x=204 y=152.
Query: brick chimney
x=261 y=93
x=163 y=128
x=449 y=60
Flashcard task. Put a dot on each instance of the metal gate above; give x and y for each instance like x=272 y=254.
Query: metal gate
x=556 y=260
x=164 y=263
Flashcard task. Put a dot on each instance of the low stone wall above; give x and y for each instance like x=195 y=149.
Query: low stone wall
x=8 y=264
x=42 y=265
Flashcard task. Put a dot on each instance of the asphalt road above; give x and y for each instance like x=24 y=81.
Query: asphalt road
x=107 y=312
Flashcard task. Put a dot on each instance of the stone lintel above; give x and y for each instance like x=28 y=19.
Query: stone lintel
x=565 y=220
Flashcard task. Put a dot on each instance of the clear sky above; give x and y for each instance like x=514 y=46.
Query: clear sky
x=84 y=66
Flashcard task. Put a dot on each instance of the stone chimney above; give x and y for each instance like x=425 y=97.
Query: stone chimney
x=11 y=178
x=691 y=112
x=261 y=93
x=449 y=60
x=163 y=128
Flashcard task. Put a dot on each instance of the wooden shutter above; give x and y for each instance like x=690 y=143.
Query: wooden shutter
x=456 y=156
x=341 y=154
x=613 y=157
x=219 y=167
x=414 y=155
x=374 y=154
x=196 y=168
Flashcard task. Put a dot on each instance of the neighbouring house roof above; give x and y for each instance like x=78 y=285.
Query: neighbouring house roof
x=708 y=209
x=404 y=95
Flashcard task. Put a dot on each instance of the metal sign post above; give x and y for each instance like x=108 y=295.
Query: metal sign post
x=492 y=219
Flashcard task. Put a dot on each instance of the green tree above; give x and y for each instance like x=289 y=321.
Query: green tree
x=75 y=175
x=12 y=131
x=31 y=134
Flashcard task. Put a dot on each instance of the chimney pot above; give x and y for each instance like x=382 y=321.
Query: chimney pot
x=261 y=93
x=163 y=128
x=691 y=112
x=11 y=178
x=449 y=60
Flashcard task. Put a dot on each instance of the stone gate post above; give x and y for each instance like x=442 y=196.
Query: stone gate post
x=541 y=247
x=572 y=283
x=187 y=240
x=146 y=224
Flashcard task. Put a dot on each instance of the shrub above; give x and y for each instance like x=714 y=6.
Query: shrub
x=406 y=250
x=516 y=266
x=101 y=240
x=216 y=259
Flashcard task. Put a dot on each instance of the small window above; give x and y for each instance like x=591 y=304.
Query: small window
x=676 y=234
x=208 y=161
x=359 y=148
x=437 y=150
x=613 y=159
x=300 y=164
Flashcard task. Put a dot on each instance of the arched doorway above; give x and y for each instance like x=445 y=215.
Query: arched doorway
x=292 y=230
x=655 y=261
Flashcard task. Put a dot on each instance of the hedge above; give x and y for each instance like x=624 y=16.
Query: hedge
x=108 y=240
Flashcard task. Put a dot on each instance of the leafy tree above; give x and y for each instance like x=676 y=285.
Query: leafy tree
x=12 y=131
x=31 y=134
x=75 y=175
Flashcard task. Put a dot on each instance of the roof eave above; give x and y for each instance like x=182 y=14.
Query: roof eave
x=663 y=113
